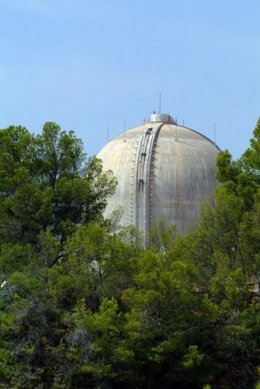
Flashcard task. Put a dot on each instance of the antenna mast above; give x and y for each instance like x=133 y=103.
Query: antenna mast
x=160 y=102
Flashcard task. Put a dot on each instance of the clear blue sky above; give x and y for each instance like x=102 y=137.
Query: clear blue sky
x=89 y=65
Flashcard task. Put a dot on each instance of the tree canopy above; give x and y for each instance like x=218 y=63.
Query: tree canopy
x=83 y=306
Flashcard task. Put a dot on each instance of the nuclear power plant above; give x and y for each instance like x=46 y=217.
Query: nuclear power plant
x=163 y=170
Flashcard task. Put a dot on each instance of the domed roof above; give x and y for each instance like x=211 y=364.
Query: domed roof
x=163 y=170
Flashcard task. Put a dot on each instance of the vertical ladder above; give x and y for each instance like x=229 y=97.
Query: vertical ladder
x=143 y=177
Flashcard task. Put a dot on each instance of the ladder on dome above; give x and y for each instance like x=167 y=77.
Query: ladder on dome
x=142 y=173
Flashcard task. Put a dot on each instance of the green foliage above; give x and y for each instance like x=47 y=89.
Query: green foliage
x=162 y=235
x=45 y=183
x=251 y=156
x=84 y=305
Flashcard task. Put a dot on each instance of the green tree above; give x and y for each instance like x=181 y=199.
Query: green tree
x=47 y=190
x=45 y=182
x=84 y=305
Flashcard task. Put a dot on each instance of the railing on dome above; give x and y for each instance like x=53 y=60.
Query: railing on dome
x=141 y=178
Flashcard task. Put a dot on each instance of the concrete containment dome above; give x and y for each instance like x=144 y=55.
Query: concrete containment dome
x=163 y=170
